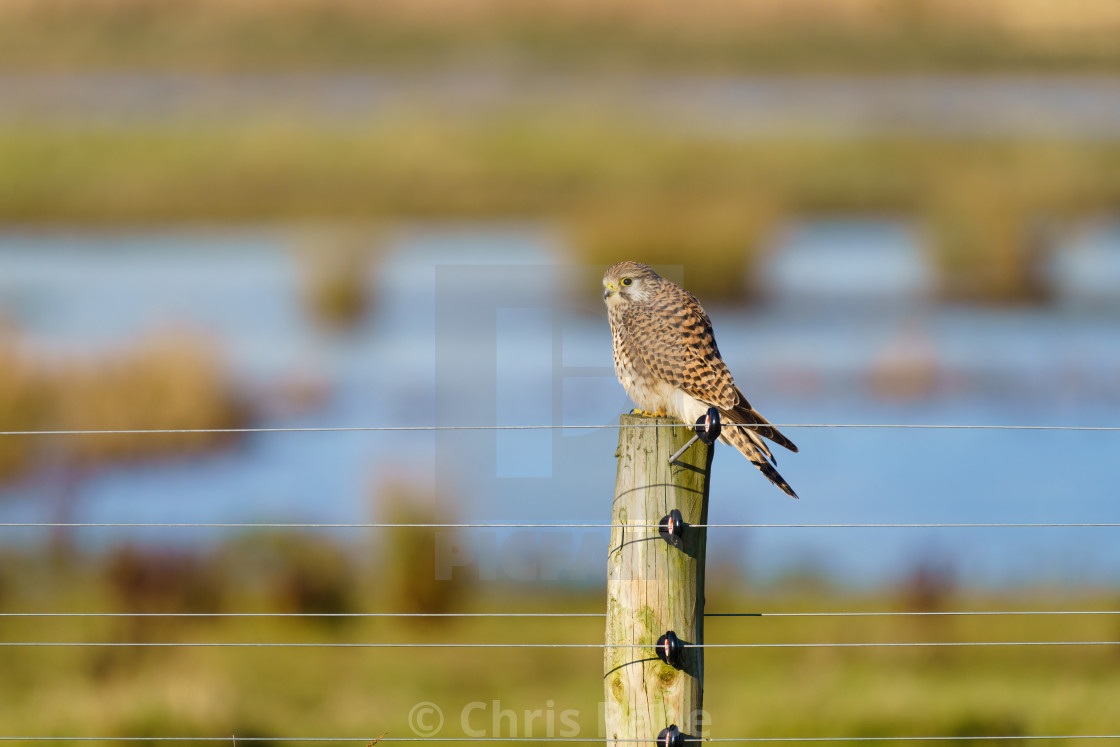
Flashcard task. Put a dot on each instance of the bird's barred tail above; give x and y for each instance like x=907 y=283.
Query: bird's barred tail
x=744 y=413
x=740 y=437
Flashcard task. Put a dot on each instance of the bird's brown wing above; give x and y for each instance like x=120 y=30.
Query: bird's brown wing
x=674 y=339
x=675 y=342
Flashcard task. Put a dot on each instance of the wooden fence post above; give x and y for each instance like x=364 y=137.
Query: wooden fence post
x=654 y=587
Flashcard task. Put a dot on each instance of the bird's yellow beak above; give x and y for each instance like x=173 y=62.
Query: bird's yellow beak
x=608 y=290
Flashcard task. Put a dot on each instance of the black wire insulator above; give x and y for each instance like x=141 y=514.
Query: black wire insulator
x=708 y=426
x=669 y=649
x=671 y=528
x=670 y=737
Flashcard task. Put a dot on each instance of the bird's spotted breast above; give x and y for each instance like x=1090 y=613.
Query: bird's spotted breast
x=648 y=390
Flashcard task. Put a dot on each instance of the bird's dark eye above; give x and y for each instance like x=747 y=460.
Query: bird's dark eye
x=627 y=281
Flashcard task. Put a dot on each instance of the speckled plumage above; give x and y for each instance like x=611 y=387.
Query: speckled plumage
x=665 y=356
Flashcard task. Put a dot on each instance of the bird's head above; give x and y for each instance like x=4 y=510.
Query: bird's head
x=628 y=282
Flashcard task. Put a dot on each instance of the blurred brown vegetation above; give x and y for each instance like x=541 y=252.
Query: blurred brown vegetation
x=290 y=573
x=730 y=233
x=167 y=381
x=24 y=403
x=336 y=264
x=409 y=558
x=887 y=35
x=166 y=581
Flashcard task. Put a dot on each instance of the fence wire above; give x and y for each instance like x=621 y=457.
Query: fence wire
x=233 y=739
x=597 y=426
x=507 y=525
x=383 y=644
x=992 y=613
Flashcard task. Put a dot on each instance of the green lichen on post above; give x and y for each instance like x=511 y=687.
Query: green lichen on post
x=648 y=618
x=653 y=587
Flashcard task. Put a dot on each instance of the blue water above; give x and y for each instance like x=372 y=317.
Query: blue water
x=488 y=326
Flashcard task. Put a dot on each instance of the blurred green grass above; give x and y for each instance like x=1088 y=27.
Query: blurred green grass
x=364 y=692
x=620 y=188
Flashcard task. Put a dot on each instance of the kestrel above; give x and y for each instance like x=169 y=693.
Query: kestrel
x=666 y=358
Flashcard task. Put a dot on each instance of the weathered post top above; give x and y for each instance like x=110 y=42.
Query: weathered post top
x=652 y=586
